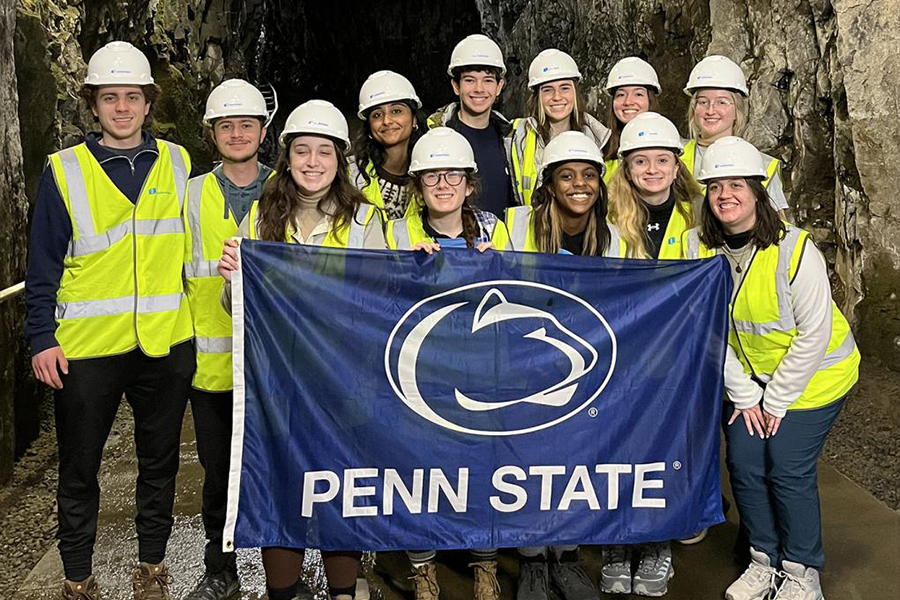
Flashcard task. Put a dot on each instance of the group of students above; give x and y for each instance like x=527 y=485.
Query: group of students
x=108 y=314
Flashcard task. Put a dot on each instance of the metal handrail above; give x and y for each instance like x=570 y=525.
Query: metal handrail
x=12 y=291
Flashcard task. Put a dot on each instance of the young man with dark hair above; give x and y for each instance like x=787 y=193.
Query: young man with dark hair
x=107 y=313
x=477 y=71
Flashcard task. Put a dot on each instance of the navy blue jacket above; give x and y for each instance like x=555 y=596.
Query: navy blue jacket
x=51 y=231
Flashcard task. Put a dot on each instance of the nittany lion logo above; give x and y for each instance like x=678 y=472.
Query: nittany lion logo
x=500 y=357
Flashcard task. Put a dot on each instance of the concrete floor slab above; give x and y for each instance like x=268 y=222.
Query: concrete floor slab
x=862 y=543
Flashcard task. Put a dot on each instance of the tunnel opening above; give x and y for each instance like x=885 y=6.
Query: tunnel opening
x=327 y=50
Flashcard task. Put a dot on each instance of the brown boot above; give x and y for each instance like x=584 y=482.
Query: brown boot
x=81 y=590
x=151 y=582
x=425 y=579
x=486 y=585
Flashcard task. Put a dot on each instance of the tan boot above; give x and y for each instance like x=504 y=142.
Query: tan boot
x=151 y=582
x=81 y=590
x=425 y=579
x=486 y=585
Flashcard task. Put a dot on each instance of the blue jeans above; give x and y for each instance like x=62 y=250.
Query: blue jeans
x=775 y=483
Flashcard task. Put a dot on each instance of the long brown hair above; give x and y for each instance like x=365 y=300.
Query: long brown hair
x=611 y=150
x=535 y=110
x=548 y=232
x=471 y=230
x=630 y=215
x=769 y=228
x=280 y=200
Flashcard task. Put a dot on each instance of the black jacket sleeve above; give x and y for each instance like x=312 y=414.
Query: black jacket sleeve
x=51 y=232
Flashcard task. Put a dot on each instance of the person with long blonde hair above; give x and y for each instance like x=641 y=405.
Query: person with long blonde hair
x=651 y=195
x=651 y=198
x=720 y=107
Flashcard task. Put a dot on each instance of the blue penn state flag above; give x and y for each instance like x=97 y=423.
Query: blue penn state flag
x=395 y=400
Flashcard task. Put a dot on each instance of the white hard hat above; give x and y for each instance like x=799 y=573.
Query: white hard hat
x=633 y=71
x=650 y=130
x=731 y=157
x=317 y=117
x=118 y=63
x=551 y=65
x=383 y=87
x=442 y=148
x=235 y=98
x=716 y=72
x=477 y=49
x=572 y=146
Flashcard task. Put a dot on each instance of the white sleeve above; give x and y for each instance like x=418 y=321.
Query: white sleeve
x=812 y=306
x=739 y=387
x=775 y=190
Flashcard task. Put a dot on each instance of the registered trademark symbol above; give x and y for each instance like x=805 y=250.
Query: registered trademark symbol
x=676 y=465
x=593 y=412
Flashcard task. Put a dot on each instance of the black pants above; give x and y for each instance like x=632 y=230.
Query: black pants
x=212 y=427
x=157 y=390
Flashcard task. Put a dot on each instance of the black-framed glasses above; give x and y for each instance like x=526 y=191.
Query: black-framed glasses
x=453 y=178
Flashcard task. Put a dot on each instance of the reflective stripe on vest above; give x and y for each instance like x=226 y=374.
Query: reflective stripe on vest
x=398 y=235
x=524 y=149
x=521 y=233
x=121 y=285
x=349 y=236
x=687 y=157
x=763 y=325
x=210 y=222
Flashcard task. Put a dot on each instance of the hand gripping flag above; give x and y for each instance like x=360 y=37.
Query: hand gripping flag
x=395 y=400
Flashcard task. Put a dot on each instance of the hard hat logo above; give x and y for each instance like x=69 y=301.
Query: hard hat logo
x=442 y=148
x=731 y=157
x=383 y=87
x=650 y=130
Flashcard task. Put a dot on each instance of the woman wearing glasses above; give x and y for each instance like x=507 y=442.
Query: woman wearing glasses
x=719 y=107
x=443 y=172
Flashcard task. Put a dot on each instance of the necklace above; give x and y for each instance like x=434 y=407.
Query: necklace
x=740 y=257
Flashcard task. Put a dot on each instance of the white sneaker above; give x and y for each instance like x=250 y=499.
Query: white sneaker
x=800 y=583
x=757 y=582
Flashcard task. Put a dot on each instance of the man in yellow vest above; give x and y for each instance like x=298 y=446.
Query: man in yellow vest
x=107 y=313
x=216 y=203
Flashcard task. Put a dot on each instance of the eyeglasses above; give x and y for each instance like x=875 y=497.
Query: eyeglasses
x=718 y=103
x=453 y=178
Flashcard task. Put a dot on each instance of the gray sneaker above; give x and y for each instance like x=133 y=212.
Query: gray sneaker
x=216 y=586
x=534 y=580
x=615 y=574
x=654 y=570
x=571 y=580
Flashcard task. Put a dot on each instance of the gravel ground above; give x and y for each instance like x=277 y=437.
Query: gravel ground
x=864 y=445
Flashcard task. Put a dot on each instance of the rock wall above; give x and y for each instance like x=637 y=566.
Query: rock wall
x=13 y=216
x=824 y=79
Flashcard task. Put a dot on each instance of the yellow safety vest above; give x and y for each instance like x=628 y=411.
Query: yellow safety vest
x=687 y=157
x=612 y=166
x=351 y=235
x=672 y=247
x=763 y=325
x=372 y=192
x=521 y=233
x=208 y=223
x=523 y=151
x=121 y=286
x=403 y=234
